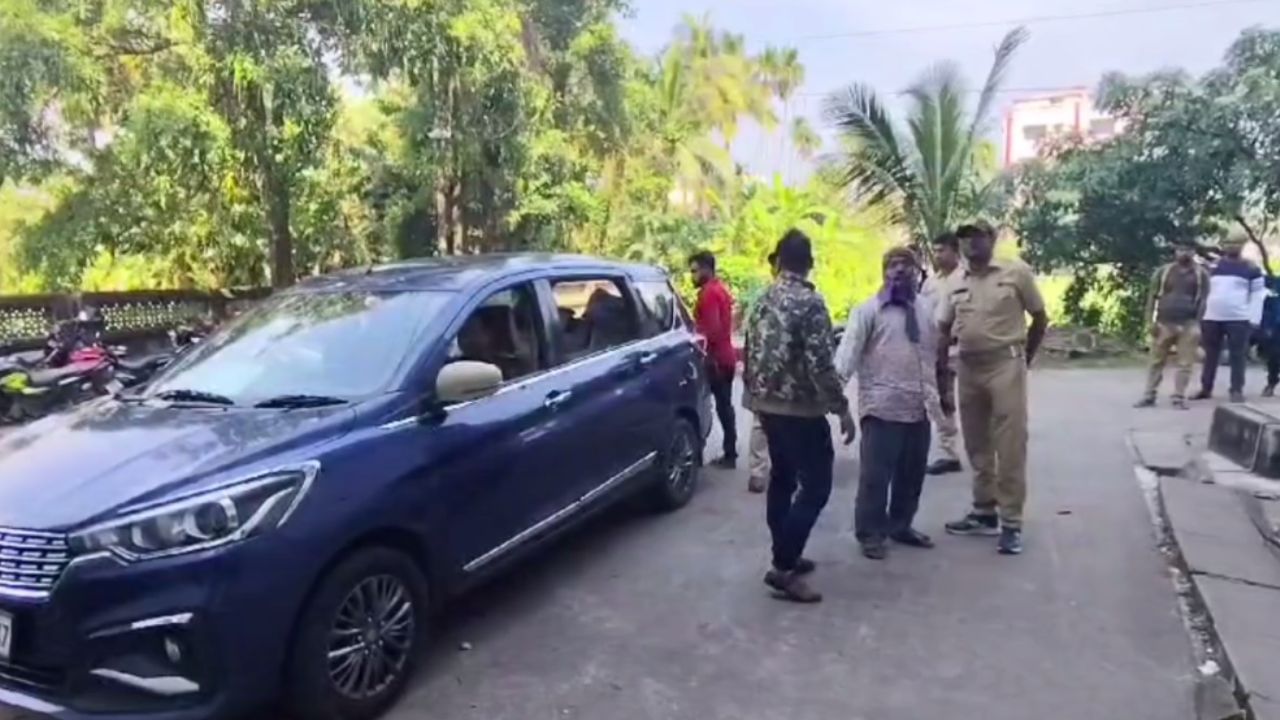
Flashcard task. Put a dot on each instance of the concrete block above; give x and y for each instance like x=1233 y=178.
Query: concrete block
x=1247 y=436
x=1244 y=617
x=1215 y=533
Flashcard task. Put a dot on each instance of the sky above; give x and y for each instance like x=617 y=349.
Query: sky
x=1061 y=53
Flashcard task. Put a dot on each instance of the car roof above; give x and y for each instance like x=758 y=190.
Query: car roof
x=460 y=272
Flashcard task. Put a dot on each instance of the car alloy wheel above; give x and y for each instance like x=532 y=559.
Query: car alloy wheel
x=682 y=463
x=372 y=637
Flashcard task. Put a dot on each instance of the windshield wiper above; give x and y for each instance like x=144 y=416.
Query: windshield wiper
x=300 y=401
x=196 y=396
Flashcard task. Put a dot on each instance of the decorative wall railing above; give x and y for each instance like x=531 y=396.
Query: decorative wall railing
x=26 y=319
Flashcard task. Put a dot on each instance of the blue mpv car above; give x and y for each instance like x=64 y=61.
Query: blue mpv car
x=276 y=516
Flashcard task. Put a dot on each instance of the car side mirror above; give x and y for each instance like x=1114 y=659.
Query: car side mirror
x=467 y=380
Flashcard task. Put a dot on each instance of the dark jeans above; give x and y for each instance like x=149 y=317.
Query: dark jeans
x=1235 y=334
x=894 y=458
x=801 y=453
x=1270 y=347
x=721 y=384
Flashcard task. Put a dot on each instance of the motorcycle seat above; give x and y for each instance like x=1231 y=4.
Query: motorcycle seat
x=52 y=376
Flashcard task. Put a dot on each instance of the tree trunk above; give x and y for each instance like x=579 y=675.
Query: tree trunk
x=277 y=207
x=1257 y=242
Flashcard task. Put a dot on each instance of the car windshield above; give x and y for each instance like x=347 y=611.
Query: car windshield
x=303 y=347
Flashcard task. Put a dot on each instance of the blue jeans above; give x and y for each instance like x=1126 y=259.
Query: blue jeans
x=891 y=476
x=801 y=455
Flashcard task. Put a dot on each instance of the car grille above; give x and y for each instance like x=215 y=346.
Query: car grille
x=42 y=679
x=31 y=561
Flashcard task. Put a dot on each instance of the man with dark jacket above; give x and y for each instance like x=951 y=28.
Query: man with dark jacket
x=792 y=384
x=1175 y=304
x=713 y=316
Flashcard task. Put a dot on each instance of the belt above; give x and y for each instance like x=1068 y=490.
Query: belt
x=1000 y=353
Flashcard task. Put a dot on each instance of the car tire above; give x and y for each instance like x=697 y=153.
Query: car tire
x=679 y=466
x=383 y=581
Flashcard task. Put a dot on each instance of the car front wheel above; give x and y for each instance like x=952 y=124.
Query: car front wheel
x=359 y=637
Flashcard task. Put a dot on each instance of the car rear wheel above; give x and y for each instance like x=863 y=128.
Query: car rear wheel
x=678 y=468
x=359 y=637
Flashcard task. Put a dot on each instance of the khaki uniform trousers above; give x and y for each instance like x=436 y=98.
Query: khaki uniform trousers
x=993 y=416
x=757 y=457
x=1180 y=340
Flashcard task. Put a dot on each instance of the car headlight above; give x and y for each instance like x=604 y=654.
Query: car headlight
x=218 y=517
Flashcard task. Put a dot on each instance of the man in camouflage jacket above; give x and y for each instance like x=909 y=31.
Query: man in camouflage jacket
x=792 y=385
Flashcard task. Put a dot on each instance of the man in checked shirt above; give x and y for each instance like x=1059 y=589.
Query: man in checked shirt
x=890 y=346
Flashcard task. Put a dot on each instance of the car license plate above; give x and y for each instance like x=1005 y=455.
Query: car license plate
x=6 y=635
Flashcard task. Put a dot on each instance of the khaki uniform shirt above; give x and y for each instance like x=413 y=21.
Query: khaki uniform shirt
x=936 y=291
x=988 y=310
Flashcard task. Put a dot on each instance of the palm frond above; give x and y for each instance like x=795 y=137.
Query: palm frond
x=873 y=166
x=1005 y=51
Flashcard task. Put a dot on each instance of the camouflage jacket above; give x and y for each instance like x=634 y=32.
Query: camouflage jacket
x=788 y=365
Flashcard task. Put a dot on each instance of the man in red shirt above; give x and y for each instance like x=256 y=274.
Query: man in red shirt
x=713 y=315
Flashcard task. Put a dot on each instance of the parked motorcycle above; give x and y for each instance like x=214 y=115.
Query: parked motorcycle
x=73 y=366
x=131 y=372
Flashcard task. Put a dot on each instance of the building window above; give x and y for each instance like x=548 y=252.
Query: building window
x=1033 y=132
x=1102 y=127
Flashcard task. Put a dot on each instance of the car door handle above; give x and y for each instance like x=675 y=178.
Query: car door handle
x=647 y=359
x=556 y=399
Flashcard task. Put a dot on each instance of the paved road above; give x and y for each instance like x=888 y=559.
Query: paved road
x=665 y=618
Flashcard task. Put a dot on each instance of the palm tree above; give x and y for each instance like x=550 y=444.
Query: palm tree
x=806 y=140
x=923 y=172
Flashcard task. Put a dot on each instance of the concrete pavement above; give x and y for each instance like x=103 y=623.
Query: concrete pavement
x=642 y=617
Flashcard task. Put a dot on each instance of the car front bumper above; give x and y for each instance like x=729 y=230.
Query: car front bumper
x=194 y=636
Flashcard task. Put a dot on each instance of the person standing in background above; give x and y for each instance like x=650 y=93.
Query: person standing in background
x=936 y=289
x=713 y=316
x=792 y=380
x=1174 y=306
x=757 y=443
x=890 y=345
x=1233 y=309
x=1271 y=334
x=987 y=313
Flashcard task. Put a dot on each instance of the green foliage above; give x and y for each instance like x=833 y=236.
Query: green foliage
x=1197 y=157
x=174 y=143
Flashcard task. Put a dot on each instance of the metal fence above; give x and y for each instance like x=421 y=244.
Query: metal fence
x=26 y=319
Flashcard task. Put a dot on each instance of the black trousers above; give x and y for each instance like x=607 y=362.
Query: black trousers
x=801 y=454
x=721 y=384
x=1235 y=335
x=894 y=458
x=1271 y=349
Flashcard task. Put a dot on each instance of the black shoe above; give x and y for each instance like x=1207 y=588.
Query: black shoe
x=875 y=550
x=944 y=466
x=1202 y=395
x=1180 y=404
x=975 y=524
x=1237 y=398
x=791 y=587
x=1269 y=390
x=1010 y=541
x=726 y=462
x=912 y=537
x=1147 y=402
x=804 y=566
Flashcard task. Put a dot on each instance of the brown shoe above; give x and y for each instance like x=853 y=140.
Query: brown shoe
x=790 y=586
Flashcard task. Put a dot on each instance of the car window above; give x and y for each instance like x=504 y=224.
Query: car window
x=502 y=331
x=659 y=307
x=341 y=344
x=594 y=316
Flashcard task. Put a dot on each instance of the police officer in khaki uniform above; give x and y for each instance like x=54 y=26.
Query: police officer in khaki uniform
x=987 y=314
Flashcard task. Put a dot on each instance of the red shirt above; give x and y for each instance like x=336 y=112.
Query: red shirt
x=713 y=316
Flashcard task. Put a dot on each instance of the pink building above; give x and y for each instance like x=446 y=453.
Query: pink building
x=1029 y=123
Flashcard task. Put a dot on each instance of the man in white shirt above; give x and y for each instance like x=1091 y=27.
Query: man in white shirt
x=946 y=263
x=1237 y=291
